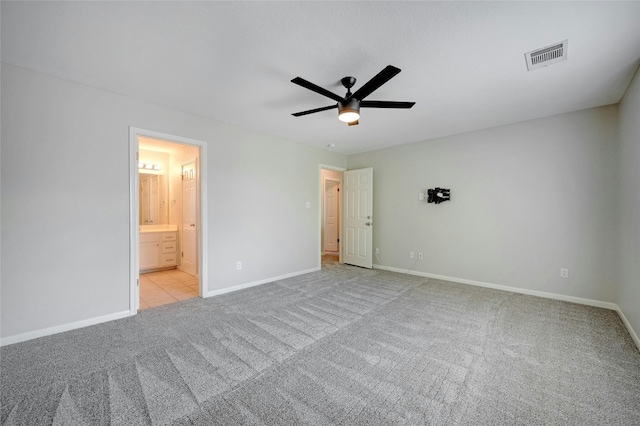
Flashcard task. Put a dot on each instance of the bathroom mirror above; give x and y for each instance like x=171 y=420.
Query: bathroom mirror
x=154 y=197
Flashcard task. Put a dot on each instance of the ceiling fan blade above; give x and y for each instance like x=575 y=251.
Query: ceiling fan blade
x=315 y=88
x=386 y=104
x=311 y=111
x=381 y=78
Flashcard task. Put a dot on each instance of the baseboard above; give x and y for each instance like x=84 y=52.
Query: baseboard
x=62 y=328
x=547 y=295
x=630 y=329
x=255 y=283
x=580 y=300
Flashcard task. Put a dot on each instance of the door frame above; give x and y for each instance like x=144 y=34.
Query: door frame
x=134 y=220
x=321 y=210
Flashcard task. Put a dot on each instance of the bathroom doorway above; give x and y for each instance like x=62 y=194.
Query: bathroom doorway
x=330 y=213
x=159 y=275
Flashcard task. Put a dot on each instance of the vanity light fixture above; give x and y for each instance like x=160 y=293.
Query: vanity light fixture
x=149 y=166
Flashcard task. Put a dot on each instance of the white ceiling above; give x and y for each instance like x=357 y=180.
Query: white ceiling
x=462 y=62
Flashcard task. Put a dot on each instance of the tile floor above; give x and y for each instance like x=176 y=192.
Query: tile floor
x=163 y=287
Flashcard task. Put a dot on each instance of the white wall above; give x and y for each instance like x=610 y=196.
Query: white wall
x=65 y=200
x=629 y=169
x=526 y=200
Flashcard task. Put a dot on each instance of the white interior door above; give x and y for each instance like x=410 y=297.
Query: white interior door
x=331 y=216
x=189 y=262
x=357 y=218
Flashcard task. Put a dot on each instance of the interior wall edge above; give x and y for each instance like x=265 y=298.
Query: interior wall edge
x=628 y=220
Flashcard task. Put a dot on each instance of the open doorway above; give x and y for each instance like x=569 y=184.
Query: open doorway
x=330 y=216
x=166 y=220
x=355 y=216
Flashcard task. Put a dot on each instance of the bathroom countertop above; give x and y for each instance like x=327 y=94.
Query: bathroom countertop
x=157 y=228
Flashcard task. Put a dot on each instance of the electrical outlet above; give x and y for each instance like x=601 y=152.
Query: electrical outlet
x=411 y=255
x=420 y=256
x=564 y=273
x=238 y=265
x=377 y=250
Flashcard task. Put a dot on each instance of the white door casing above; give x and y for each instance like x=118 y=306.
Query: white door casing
x=357 y=195
x=331 y=216
x=189 y=246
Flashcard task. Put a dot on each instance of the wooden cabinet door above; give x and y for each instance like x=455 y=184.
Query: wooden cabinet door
x=149 y=255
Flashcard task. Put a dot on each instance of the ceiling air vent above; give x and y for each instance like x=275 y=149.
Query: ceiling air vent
x=552 y=54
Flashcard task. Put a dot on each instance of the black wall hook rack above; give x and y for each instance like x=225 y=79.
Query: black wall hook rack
x=438 y=195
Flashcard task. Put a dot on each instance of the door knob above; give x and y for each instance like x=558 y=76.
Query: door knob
x=193 y=225
x=368 y=223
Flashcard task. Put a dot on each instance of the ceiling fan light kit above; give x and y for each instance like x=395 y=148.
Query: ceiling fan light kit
x=349 y=105
x=349 y=111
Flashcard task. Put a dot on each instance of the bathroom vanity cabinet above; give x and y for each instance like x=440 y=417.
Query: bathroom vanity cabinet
x=158 y=250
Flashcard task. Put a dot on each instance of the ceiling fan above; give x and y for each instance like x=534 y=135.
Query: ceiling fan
x=349 y=105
